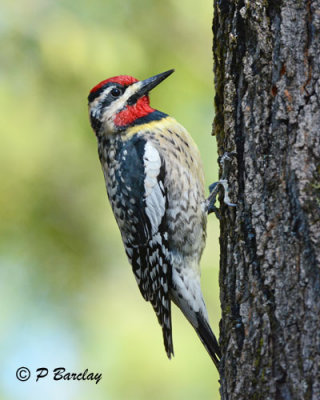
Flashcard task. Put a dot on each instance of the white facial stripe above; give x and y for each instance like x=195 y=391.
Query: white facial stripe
x=118 y=104
x=95 y=105
x=105 y=93
x=102 y=96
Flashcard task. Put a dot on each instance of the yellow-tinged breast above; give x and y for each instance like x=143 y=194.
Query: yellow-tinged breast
x=174 y=142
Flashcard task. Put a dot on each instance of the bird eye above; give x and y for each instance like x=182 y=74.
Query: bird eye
x=115 y=92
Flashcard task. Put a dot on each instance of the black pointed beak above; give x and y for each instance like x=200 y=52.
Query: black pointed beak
x=148 y=84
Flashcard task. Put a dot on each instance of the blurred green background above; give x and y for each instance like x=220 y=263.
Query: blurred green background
x=67 y=294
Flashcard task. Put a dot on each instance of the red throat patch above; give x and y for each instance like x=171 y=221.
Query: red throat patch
x=138 y=110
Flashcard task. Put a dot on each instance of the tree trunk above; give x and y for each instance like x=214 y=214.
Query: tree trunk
x=267 y=70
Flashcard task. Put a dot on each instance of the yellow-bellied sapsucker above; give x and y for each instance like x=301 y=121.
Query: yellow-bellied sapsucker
x=155 y=184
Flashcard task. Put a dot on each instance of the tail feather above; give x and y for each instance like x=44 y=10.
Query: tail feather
x=208 y=339
x=164 y=318
x=201 y=326
x=186 y=294
x=167 y=333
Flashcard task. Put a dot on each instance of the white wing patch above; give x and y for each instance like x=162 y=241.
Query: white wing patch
x=155 y=200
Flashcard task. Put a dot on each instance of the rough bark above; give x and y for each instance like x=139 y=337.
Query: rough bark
x=267 y=67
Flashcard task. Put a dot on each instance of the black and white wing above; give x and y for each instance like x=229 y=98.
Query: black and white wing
x=139 y=201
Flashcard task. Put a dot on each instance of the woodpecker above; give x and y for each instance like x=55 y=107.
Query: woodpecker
x=155 y=184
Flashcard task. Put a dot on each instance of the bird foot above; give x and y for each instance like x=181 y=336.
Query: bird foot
x=225 y=162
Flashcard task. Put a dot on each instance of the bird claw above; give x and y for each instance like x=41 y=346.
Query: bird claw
x=226 y=198
x=225 y=162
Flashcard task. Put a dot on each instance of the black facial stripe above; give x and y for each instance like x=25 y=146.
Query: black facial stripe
x=153 y=116
x=132 y=99
x=97 y=93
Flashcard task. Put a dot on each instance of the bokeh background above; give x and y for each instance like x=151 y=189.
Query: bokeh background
x=67 y=294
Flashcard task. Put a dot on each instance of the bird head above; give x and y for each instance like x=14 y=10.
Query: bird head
x=116 y=103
